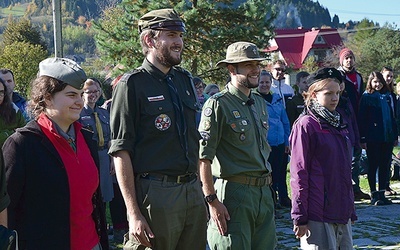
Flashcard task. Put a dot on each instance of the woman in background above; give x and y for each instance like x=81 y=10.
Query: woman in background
x=211 y=89
x=378 y=134
x=52 y=177
x=278 y=137
x=10 y=116
x=97 y=120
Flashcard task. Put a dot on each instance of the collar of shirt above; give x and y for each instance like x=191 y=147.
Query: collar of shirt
x=70 y=133
x=89 y=110
x=239 y=94
x=154 y=71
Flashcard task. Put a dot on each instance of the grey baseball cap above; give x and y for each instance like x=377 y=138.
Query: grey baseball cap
x=240 y=52
x=63 y=69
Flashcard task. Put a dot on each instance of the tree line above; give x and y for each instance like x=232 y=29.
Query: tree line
x=113 y=38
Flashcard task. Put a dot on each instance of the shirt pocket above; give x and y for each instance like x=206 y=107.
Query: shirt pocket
x=88 y=122
x=240 y=131
x=158 y=117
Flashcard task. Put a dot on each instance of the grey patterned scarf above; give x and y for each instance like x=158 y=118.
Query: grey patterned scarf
x=332 y=118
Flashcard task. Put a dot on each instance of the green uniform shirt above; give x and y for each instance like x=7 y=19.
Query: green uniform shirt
x=143 y=121
x=230 y=137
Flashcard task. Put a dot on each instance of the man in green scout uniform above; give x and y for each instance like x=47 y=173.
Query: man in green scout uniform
x=234 y=126
x=155 y=142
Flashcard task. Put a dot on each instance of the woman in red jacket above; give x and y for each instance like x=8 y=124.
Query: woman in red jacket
x=52 y=177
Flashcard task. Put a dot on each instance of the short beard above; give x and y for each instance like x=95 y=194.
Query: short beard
x=164 y=57
x=247 y=84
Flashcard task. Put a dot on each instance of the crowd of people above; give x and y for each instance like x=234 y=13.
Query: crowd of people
x=183 y=164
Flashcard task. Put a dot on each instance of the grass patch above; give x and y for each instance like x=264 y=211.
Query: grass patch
x=17 y=10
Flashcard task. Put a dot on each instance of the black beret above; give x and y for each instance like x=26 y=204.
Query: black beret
x=324 y=73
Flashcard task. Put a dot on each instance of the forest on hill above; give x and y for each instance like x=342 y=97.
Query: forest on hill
x=292 y=13
x=101 y=34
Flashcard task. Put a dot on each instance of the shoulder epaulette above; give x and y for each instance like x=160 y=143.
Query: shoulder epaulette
x=218 y=95
x=182 y=70
x=125 y=77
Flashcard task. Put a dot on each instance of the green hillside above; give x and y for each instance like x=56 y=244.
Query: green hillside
x=16 y=11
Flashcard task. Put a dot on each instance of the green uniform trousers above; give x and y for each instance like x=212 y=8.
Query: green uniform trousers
x=252 y=223
x=176 y=214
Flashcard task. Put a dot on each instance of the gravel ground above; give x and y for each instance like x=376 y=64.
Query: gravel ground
x=378 y=227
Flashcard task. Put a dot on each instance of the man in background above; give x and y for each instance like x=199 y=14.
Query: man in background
x=295 y=104
x=354 y=88
x=279 y=86
x=8 y=77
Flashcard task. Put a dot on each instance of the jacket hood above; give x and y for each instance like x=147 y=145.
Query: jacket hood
x=30 y=127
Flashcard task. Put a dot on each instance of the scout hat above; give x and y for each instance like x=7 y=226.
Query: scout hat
x=63 y=69
x=240 y=52
x=324 y=73
x=163 y=19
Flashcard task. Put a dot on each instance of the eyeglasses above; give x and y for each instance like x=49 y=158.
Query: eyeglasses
x=91 y=92
x=279 y=69
x=2 y=93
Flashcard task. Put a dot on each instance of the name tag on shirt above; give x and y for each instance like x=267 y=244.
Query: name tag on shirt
x=155 y=98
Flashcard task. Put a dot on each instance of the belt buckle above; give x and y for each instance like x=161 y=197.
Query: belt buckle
x=178 y=179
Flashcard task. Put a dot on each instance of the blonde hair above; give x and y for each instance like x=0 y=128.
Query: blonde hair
x=316 y=87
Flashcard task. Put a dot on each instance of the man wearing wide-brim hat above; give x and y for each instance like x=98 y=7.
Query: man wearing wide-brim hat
x=234 y=126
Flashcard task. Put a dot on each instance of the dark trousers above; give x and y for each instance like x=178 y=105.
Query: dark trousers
x=379 y=157
x=118 y=210
x=355 y=169
x=278 y=165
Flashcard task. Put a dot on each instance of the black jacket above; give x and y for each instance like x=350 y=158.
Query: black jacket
x=39 y=191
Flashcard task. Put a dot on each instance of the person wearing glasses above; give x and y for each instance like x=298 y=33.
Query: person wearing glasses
x=97 y=119
x=201 y=96
x=11 y=116
x=285 y=91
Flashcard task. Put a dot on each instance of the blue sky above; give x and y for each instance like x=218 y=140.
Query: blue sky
x=380 y=11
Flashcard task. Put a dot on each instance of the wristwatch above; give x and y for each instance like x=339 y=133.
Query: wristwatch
x=210 y=198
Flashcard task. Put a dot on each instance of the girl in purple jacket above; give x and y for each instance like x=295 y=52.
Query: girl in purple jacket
x=320 y=168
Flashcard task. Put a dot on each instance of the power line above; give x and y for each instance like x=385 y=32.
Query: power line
x=326 y=32
x=363 y=13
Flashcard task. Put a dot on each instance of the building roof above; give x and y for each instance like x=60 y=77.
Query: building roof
x=295 y=44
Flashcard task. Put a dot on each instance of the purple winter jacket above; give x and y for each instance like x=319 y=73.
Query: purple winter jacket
x=320 y=172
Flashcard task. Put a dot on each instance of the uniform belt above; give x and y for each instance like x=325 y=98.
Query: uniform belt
x=168 y=178
x=251 y=180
